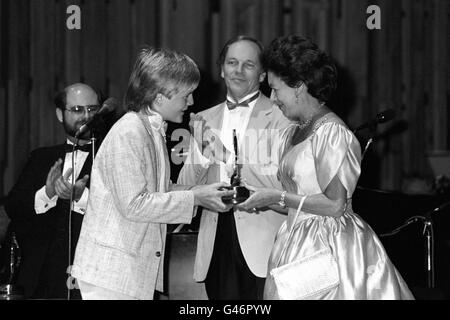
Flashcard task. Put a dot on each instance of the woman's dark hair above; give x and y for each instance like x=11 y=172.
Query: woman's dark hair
x=298 y=60
x=159 y=71
x=223 y=52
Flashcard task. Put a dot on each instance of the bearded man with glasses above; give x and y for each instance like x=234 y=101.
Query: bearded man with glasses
x=39 y=203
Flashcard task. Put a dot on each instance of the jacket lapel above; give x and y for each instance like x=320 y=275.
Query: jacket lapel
x=154 y=162
x=260 y=116
x=259 y=123
x=215 y=118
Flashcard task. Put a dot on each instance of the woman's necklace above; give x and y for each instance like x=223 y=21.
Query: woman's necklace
x=307 y=122
x=304 y=124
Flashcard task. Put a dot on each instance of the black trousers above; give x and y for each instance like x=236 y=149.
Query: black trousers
x=229 y=277
x=54 y=281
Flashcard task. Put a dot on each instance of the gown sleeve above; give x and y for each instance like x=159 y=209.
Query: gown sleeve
x=336 y=152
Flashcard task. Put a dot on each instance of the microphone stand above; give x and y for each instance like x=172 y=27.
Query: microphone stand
x=72 y=205
x=428 y=232
x=372 y=130
x=93 y=139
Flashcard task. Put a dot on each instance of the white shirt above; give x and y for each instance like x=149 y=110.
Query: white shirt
x=238 y=119
x=42 y=203
x=159 y=127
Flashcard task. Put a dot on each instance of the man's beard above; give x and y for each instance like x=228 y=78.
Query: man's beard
x=71 y=130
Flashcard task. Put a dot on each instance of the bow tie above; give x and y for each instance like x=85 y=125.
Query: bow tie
x=86 y=148
x=231 y=105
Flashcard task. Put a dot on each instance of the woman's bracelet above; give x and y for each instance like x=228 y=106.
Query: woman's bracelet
x=281 y=203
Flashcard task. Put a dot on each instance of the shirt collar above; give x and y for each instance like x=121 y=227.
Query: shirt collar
x=157 y=122
x=244 y=98
x=71 y=143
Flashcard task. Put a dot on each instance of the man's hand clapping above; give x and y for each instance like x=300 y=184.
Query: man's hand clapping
x=58 y=184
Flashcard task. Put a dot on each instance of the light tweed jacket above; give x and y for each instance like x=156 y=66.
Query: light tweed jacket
x=260 y=152
x=122 y=239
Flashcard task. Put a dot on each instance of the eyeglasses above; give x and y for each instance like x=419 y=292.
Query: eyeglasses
x=79 y=110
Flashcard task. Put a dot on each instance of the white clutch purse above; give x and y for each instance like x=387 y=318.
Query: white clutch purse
x=307 y=278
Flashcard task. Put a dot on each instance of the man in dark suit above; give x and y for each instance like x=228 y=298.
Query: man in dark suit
x=39 y=203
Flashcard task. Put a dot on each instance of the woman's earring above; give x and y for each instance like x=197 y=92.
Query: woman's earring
x=297 y=94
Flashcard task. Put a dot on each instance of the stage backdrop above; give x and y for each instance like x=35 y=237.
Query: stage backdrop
x=402 y=66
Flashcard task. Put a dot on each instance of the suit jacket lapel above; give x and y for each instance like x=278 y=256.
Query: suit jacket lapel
x=259 y=121
x=86 y=169
x=154 y=162
x=216 y=120
x=259 y=118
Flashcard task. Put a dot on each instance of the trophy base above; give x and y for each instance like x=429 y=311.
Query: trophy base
x=241 y=194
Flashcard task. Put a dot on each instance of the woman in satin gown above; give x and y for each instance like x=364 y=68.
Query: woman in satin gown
x=324 y=250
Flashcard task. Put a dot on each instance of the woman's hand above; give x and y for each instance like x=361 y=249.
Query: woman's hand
x=259 y=198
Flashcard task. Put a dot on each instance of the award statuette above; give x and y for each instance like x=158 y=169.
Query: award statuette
x=9 y=290
x=241 y=193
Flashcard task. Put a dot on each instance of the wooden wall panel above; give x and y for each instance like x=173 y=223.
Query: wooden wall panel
x=18 y=130
x=248 y=21
x=178 y=32
x=94 y=38
x=439 y=12
x=73 y=53
x=59 y=60
x=353 y=67
x=310 y=19
x=3 y=83
x=270 y=22
x=427 y=85
x=390 y=147
x=119 y=55
x=144 y=22
x=407 y=36
x=338 y=38
x=402 y=66
x=417 y=132
x=228 y=25
x=215 y=46
x=42 y=71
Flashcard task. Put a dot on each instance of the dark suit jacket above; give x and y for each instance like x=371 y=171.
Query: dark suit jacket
x=43 y=238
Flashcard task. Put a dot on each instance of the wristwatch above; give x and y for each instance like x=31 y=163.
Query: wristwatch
x=281 y=203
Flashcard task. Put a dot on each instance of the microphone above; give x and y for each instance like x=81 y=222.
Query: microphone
x=110 y=105
x=437 y=209
x=381 y=117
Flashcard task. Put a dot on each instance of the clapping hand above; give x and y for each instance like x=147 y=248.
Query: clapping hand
x=52 y=176
x=58 y=184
